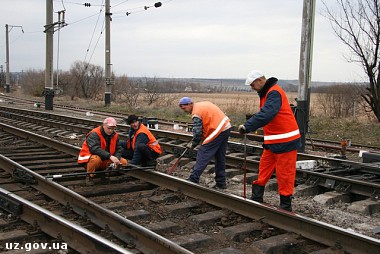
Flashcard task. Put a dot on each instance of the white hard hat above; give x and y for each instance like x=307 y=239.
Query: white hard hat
x=252 y=76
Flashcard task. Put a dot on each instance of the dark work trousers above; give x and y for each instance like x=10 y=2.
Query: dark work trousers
x=216 y=150
x=143 y=154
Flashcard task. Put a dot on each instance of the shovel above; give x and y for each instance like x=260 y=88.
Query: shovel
x=171 y=169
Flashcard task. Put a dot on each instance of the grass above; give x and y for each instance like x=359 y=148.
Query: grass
x=360 y=132
x=236 y=105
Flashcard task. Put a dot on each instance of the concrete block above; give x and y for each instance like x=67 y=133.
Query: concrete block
x=182 y=208
x=305 y=190
x=190 y=165
x=163 y=227
x=250 y=177
x=329 y=251
x=165 y=198
x=242 y=231
x=208 y=218
x=231 y=172
x=331 y=197
x=365 y=207
x=193 y=241
x=307 y=164
x=165 y=159
x=285 y=243
x=226 y=251
x=137 y=215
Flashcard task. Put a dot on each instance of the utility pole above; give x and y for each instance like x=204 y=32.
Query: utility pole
x=49 y=30
x=108 y=80
x=305 y=67
x=7 y=74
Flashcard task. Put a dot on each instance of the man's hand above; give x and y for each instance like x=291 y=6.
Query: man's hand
x=190 y=145
x=115 y=160
x=242 y=129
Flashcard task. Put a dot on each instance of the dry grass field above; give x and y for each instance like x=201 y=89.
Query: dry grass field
x=361 y=129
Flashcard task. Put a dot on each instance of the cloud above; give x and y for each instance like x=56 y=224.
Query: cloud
x=198 y=38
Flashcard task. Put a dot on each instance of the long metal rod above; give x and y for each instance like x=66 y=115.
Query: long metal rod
x=121 y=170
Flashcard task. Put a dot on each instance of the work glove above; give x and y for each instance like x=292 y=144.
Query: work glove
x=190 y=145
x=242 y=129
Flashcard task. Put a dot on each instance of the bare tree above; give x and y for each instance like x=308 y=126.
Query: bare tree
x=128 y=90
x=32 y=82
x=87 y=80
x=357 y=25
x=152 y=91
x=338 y=100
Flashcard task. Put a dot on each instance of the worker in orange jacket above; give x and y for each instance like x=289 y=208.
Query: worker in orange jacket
x=101 y=148
x=141 y=147
x=281 y=138
x=211 y=127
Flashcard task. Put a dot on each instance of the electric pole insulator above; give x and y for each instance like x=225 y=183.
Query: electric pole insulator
x=158 y=4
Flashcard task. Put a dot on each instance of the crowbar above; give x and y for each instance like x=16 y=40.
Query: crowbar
x=171 y=169
x=245 y=166
x=122 y=170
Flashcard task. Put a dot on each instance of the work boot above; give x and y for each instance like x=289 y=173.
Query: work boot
x=258 y=193
x=219 y=186
x=286 y=202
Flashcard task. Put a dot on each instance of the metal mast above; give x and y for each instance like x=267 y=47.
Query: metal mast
x=305 y=67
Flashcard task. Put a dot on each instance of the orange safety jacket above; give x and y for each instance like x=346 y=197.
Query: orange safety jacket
x=213 y=119
x=283 y=127
x=85 y=154
x=152 y=143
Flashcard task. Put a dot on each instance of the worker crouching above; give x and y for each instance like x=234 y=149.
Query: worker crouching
x=101 y=148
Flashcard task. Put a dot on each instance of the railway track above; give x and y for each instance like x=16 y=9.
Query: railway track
x=124 y=210
x=343 y=148
x=331 y=176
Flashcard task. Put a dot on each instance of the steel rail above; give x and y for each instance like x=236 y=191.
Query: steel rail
x=325 y=180
x=75 y=236
x=234 y=134
x=146 y=241
x=162 y=134
x=308 y=228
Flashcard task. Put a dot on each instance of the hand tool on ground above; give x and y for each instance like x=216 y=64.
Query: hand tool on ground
x=245 y=166
x=171 y=169
x=121 y=170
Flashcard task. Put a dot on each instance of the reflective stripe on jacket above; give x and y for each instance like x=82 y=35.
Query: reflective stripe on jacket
x=85 y=154
x=152 y=143
x=283 y=127
x=213 y=119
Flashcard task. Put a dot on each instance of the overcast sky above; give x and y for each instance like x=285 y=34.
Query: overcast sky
x=181 y=39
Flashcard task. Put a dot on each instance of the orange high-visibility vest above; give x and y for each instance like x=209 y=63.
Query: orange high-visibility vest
x=213 y=119
x=283 y=127
x=85 y=154
x=152 y=143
